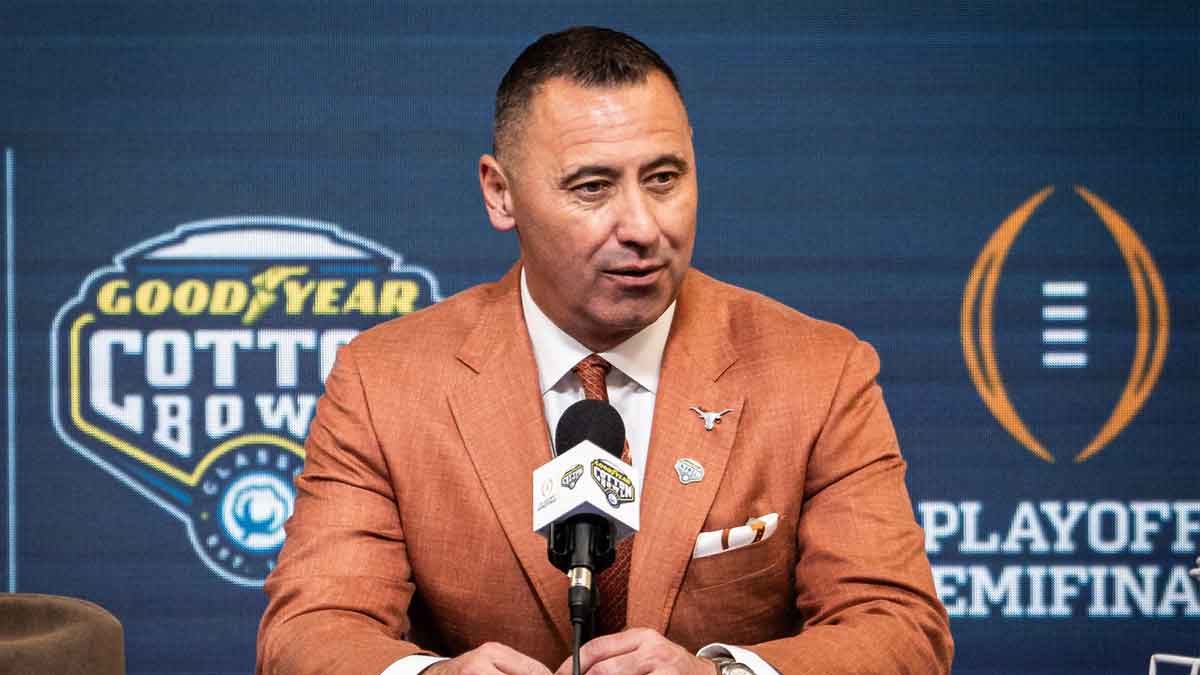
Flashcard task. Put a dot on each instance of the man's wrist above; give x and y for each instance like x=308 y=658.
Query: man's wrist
x=435 y=667
x=742 y=655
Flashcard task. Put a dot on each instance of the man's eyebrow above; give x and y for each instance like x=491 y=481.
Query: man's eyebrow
x=672 y=160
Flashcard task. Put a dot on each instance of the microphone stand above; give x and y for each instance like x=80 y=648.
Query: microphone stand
x=585 y=548
x=581 y=598
x=575 y=646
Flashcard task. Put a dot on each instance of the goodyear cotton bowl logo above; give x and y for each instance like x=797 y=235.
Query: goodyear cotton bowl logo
x=617 y=487
x=1097 y=332
x=191 y=368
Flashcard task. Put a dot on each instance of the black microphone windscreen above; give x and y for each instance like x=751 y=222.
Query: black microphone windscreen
x=590 y=420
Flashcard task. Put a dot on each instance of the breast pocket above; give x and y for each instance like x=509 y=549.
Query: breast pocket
x=744 y=596
x=721 y=556
x=737 y=564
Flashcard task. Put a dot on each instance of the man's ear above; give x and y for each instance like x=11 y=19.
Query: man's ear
x=497 y=195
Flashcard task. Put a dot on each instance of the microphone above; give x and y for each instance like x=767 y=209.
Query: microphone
x=590 y=420
x=586 y=500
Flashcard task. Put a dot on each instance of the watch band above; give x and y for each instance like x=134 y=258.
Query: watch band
x=728 y=666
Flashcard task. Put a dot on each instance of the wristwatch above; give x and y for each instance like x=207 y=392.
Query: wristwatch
x=727 y=666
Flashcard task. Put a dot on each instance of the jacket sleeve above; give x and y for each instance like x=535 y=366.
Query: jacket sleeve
x=864 y=589
x=339 y=597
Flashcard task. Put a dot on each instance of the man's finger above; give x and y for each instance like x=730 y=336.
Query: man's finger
x=606 y=647
x=629 y=663
x=512 y=662
x=491 y=658
x=522 y=666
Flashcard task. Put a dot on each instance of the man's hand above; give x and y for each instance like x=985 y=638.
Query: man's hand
x=637 y=650
x=490 y=658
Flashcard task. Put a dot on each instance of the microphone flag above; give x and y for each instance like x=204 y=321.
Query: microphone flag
x=586 y=479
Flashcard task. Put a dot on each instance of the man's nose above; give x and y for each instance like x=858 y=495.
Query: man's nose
x=637 y=223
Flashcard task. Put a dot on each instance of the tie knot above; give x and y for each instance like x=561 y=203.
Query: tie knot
x=592 y=372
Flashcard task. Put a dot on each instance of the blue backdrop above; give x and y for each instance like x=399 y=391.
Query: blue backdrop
x=865 y=165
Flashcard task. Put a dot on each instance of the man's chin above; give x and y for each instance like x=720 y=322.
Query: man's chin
x=628 y=321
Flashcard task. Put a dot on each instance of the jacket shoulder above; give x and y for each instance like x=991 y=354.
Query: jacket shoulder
x=431 y=332
x=757 y=322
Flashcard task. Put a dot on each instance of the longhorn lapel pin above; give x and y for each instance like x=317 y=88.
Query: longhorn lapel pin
x=710 y=418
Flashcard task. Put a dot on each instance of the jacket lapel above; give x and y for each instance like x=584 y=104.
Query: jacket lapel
x=499 y=413
x=698 y=352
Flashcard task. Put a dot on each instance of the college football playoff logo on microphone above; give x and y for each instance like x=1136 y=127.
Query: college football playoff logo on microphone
x=191 y=367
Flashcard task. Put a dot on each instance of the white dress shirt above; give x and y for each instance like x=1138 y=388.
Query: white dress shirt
x=632 y=382
x=632 y=385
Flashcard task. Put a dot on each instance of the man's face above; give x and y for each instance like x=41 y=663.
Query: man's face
x=603 y=198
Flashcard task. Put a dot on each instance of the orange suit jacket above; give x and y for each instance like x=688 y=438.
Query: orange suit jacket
x=413 y=520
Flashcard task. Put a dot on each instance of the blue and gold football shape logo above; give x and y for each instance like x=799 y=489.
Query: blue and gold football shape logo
x=191 y=367
x=1083 y=333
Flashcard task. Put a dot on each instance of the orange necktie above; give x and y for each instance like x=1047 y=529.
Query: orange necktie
x=613 y=584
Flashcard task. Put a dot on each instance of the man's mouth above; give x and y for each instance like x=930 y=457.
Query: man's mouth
x=636 y=278
x=635 y=271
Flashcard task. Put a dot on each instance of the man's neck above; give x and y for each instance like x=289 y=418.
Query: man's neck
x=555 y=351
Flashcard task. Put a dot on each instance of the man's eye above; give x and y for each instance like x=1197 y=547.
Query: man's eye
x=590 y=189
x=662 y=179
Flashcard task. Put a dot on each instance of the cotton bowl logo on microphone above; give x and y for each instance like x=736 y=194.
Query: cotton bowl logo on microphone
x=190 y=369
x=617 y=487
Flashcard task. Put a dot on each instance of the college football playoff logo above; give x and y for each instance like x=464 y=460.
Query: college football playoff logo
x=1064 y=333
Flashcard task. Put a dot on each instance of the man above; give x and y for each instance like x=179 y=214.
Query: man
x=412 y=536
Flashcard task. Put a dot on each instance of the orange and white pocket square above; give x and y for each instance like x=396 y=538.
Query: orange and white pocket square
x=756 y=529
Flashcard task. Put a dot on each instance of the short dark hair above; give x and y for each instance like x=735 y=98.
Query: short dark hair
x=585 y=55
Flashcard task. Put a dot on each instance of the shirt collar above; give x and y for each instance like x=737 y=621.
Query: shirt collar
x=639 y=357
